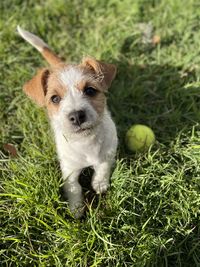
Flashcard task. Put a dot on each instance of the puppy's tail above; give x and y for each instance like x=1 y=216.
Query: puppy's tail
x=40 y=45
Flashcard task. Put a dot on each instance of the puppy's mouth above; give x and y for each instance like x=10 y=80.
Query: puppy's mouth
x=83 y=129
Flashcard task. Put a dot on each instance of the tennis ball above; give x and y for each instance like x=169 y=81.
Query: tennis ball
x=139 y=137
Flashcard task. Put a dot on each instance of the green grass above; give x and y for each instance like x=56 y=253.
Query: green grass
x=150 y=216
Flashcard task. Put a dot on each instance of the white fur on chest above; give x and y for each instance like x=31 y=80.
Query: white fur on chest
x=80 y=152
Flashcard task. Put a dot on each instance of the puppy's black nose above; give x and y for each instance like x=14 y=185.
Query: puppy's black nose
x=77 y=117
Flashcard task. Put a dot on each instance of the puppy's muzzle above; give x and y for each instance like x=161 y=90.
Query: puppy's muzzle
x=77 y=117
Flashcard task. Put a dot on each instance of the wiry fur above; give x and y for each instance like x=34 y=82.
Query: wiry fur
x=94 y=142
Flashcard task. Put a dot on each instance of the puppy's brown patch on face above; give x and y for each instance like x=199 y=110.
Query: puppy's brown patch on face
x=81 y=85
x=55 y=88
x=98 y=102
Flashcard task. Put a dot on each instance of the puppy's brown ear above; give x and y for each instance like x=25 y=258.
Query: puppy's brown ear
x=104 y=71
x=36 y=88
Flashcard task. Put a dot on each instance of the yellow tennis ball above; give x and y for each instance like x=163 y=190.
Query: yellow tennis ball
x=139 y=137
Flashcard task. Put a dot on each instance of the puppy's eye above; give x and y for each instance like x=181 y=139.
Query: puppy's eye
x=56 y=99
x=90 y=91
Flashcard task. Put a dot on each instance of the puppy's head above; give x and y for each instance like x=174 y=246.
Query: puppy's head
x=74 y=95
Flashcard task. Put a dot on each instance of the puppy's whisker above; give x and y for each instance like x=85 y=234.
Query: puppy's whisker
x=65 y=137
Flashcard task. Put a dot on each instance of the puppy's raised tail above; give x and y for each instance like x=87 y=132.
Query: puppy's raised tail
x=40 y=45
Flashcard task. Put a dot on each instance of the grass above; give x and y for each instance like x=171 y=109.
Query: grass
x=150 y=216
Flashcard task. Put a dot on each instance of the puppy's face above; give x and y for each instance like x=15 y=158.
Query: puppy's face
x=74 y=95
x=75 y=99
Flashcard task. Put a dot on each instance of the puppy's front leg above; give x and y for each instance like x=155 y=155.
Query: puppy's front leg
x=100 y=180
x=73 y=191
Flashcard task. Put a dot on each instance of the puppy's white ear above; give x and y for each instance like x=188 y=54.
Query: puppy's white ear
x=36 y=88
x=105 y=71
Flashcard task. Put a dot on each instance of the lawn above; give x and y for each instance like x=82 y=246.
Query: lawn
x=150 y=216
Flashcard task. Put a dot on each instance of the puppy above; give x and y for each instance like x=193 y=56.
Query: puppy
x=85 y=135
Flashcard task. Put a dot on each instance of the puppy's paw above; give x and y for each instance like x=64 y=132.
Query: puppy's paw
x=77 y=210
x=100 y=186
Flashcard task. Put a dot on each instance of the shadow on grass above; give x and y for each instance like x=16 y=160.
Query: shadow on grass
x=159 y=96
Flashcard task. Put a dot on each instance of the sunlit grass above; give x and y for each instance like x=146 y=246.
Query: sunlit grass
x=150 y=216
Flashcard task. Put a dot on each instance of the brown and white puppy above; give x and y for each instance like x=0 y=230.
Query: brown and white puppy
x=85 y=135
